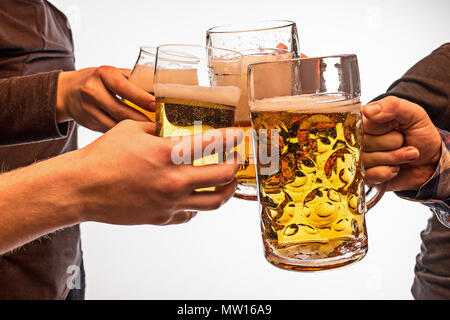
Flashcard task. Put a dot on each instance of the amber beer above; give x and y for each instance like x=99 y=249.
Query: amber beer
x=186 y=110
x=313 y=203
x=142 y=76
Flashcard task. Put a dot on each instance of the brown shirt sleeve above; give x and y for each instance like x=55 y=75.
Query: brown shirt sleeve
x=427 y=84
x=28 y=109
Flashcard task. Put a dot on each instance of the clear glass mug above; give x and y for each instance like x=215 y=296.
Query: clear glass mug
x=258 y=41
x=308 y=138
x=195 y=91
x=142 y=76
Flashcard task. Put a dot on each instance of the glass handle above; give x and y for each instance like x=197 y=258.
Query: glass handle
x=381 y=189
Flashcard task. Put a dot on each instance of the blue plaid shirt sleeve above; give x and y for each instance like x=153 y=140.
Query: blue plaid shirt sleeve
x=435 y=193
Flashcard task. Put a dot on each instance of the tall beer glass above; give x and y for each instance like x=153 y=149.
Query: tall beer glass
x=142 y=75
x=258 y=41
x=195 y=91
x=310 y=178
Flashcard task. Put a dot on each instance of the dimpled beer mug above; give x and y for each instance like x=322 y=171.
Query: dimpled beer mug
x=192 y=96
x=142 y=75
x=258 y=41
x=308 y=140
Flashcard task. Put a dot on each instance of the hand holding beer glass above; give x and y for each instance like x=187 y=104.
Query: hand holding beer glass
x=310 y=178
x=258 y=41
x=196 y=91
x=142 y=76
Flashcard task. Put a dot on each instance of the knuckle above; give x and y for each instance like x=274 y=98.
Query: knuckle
x=393 y=101
x=89 y=88
x=378 y=175
x=216 y=203
x=230 y=172
x=118 y=84
x=173 y=186
x=164 y=150
x=396 y=157
x=103 y=69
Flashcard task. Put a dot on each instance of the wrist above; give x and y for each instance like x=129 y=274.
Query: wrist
x=62 y=113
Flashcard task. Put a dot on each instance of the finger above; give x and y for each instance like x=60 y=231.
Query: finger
x=387 y=142
x=103 y=122
x=393 y=108
x=380 y=174
x=192 y=147
x=147 y=126
x=182 y=217
x=115 y=108
x=391 y=158
x=375 y=128
x=210 y=200
x=115 y=81
x=210 y=175
x=125 y=72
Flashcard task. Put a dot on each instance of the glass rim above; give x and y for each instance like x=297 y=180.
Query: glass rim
x=349 y=55
x=355 y=95
x=234 y=27
x=192 y=58
x=148 y=49
x=262 y=51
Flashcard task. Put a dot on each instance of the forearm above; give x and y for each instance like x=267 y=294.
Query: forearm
x=37 y=200
x=28 y=109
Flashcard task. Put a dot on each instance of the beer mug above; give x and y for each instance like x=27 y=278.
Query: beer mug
x=142 y=76
x=258 y=41
x=308 y=136
x=195 y=91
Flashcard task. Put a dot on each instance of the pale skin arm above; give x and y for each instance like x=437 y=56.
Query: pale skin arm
x=401 y=144
x=125 y=177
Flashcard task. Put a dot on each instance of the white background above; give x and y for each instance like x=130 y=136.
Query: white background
x=219 y=254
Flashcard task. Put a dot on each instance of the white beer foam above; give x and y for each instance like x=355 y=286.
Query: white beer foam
x=227 y=95
x=307 y=104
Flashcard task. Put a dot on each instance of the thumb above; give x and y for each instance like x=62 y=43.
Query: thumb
x=392 y=108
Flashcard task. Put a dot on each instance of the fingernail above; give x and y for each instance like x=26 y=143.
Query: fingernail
x=395 y=169
x=372 y=109
x=411 y=154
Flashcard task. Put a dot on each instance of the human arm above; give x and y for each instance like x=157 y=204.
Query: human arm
x=27 y=109
x=125 y=177
x=37 y=107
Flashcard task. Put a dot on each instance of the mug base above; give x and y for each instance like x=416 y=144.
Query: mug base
x=300 y=263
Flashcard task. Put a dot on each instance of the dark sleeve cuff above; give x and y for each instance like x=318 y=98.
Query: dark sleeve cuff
x=28 y=109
